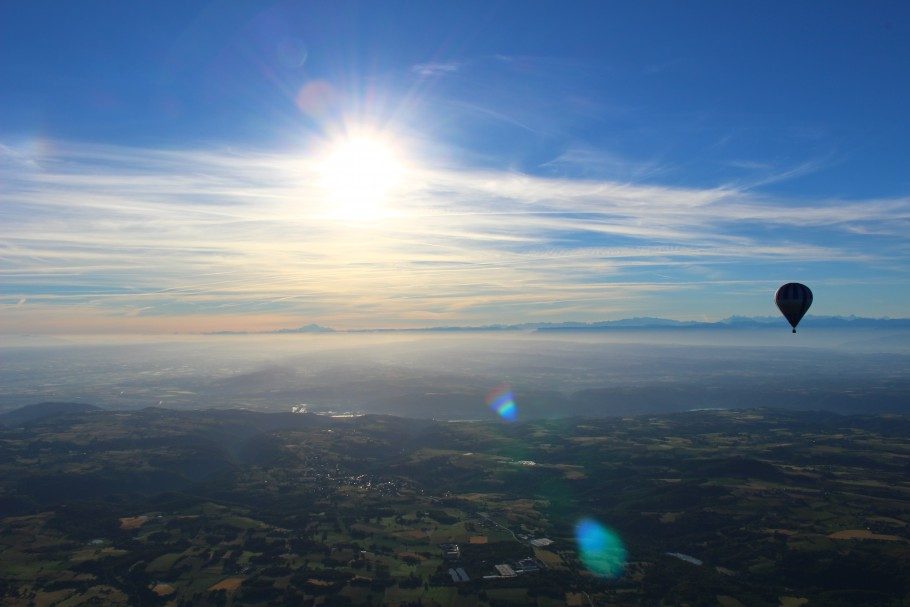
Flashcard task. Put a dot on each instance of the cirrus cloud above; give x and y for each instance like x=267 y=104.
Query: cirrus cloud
x=156 y=239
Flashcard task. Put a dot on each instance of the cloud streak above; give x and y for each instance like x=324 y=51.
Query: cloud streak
x=436 y=68
x=166 y=240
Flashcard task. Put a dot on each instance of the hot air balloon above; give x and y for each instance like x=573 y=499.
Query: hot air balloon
x=793 y=299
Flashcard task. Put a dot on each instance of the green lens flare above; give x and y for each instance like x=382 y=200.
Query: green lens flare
x=601 y=550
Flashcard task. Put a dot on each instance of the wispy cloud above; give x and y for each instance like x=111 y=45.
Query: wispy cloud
x=589 y=161
x=436 y=68
x=201 y=240
x=804 y=168
x=660 y=68
x=749 y=165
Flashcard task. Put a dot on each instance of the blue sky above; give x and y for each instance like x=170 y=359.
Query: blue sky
x=162 y=166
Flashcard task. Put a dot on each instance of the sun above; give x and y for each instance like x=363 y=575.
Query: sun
x=359 y=174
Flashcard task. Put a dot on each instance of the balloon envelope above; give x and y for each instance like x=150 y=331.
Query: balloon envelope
x=793 y=299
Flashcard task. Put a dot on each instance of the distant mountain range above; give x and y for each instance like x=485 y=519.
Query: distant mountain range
x=310 y=328
x=642 y=322
x=733 y=322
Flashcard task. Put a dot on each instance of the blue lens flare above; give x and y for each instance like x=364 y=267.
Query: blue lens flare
x=500 y=400
x=600 y=548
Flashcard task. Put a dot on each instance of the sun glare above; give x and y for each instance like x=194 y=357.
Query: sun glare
x=358 y=175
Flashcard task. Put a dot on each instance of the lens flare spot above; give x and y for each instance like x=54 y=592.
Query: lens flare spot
x=292 y=52
x=315 y=98
x=501 y=401
x=600 y=548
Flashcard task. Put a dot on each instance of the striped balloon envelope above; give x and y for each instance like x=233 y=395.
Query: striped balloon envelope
x=793 y=299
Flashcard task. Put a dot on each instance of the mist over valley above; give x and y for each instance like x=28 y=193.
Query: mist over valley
x=447 y=376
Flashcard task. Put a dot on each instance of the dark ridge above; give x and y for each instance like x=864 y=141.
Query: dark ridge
x=42 y=411
x=738 y=467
